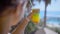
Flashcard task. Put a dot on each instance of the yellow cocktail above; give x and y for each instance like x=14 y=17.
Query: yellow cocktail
x=35 y=16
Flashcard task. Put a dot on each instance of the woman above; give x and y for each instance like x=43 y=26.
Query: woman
x=11 y=12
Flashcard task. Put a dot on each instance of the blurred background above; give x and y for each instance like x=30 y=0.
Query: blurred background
x=49 y=17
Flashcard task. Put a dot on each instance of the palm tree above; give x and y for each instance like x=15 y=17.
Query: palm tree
x=46 y=4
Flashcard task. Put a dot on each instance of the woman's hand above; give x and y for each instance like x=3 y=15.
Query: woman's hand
x=21 y=27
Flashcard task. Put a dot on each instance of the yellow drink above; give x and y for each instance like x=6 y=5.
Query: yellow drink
x=35 y=17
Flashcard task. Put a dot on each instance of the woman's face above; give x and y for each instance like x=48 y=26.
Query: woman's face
x=14 y=15
x=18 y=15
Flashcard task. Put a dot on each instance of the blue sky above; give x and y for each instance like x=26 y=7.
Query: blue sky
x=53 y=9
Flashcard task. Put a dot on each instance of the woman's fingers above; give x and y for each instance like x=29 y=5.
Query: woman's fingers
x=30 y=15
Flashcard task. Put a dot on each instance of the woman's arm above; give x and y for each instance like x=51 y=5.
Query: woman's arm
x=21 y=27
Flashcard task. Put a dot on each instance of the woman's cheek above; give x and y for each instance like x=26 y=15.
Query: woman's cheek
x=15 y=18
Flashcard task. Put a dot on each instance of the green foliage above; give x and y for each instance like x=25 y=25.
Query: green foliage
x=47 y=2
x=30 y=28
x=33 y=1
x=57 y=30
x=41 y=23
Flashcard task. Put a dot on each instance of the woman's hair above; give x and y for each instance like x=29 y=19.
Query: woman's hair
x=6 y=3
